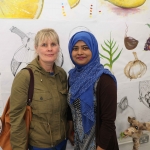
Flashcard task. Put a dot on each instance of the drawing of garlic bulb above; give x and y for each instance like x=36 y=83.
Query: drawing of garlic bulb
x=135 y=69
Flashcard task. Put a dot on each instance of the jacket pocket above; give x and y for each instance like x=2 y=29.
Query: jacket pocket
x=41 y=102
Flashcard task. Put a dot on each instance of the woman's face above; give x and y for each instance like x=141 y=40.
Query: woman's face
x=47 y=51
x=81 y=53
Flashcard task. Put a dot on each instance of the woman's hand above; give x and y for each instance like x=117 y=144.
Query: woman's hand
x=98 y=148
x=71 y=132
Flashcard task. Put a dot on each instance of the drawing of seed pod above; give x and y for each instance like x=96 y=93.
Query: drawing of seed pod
x=135 y=69
x=130 y=42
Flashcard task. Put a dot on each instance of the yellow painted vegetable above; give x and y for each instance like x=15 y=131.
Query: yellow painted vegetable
x=127 y=3
x=27 y=9
x=73 y=3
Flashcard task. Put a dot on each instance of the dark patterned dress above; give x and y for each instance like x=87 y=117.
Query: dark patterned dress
x=105 y=98
x=82 y=141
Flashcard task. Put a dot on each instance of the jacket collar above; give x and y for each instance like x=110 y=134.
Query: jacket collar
x=36 y=64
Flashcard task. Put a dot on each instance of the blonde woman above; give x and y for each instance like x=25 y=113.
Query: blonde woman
x=49 y=104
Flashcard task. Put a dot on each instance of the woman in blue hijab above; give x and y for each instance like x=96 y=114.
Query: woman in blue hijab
x=92 y=97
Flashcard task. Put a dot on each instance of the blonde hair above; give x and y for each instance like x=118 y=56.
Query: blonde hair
x=45 y=34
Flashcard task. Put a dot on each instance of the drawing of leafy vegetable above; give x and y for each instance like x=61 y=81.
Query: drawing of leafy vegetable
x=110 y=48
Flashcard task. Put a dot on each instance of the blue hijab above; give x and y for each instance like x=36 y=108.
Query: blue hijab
x=83 y=78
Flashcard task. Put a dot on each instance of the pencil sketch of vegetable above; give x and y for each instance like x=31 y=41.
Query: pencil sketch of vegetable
x=135 y=69
x=123 y=111
x=110 y=48
x=144 y=92
x=25 y=53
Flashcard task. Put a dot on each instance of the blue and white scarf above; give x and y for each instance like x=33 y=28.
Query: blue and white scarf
x=83 y=78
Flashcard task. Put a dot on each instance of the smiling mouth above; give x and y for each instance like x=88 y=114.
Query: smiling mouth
x=50 y=55
x=81 y=58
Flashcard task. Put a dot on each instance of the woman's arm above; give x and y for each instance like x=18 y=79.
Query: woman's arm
x=71 y=132
x=18 y=99
x=106 y=111
x=71 y=127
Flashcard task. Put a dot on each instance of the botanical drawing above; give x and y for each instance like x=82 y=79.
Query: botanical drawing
x=130 y=42
x=25 y=53
x=135 y=69
x=147 y=44
x=111 y=49
x=144 y=92
x=27 y=9
x=125 y=8
x=126 y=3
x=73 y=3
x=123 y=111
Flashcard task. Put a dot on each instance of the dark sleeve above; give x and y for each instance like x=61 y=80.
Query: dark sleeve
x=106 y=94
x=69 y=114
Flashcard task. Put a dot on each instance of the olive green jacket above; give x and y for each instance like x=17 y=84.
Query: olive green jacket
x=48 y=126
